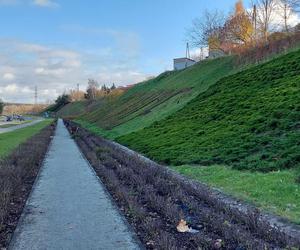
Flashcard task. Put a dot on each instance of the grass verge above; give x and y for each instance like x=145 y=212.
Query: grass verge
x=18 y=172
x=9 y=141
x=275 y=192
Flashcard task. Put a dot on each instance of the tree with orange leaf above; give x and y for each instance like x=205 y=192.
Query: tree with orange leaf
x=239 y=28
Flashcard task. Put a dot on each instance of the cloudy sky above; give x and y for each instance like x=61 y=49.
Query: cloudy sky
x=56 y=44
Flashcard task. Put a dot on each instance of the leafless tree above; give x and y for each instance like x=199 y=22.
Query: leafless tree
x=1 y=106
x=286 y=9
x=76 y=95
x=210 y=24
x=92 y=88
x=266 y=9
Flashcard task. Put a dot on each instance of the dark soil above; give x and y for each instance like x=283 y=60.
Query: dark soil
x=18 y=172
x=154 y=201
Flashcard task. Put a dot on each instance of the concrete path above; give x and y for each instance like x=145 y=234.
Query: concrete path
x=69 y=208
x=10 y=129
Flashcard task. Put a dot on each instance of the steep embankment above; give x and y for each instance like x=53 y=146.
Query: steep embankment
x=73 y=109
x=155 y=99
x=249 y=120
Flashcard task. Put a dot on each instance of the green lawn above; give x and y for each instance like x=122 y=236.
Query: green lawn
x=10 y=140
x=275 y=192
x=249 y=120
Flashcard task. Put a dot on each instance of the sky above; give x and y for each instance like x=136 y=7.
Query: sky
x=57 y=44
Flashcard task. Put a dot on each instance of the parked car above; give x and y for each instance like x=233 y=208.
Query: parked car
x=9 y=118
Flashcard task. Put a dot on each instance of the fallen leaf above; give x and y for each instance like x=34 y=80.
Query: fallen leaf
x=182 y=227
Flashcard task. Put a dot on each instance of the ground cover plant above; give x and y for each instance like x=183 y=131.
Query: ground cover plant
x=275 y=192
x=18 y=172
x=10 y=140
x=73 y=109
x=154 y=99
x=154 y=200
x=249 y=120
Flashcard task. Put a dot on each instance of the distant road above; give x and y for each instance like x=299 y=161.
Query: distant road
x=10 y=129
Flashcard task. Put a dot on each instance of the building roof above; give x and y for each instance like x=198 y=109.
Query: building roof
x=183 y=59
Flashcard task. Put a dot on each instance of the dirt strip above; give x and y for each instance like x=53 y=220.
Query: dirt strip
x=155 y=199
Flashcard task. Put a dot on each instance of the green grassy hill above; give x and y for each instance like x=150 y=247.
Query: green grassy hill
x=152 y=100
x=73 y=109
x=250 y=120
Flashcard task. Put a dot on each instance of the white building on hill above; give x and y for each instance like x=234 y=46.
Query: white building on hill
x=183 y=63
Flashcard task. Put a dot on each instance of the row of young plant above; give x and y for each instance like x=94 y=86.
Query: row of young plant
x=154 y=201
x=18 y=172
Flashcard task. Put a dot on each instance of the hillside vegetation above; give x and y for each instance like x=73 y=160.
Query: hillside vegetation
x=249 y=120
x=73 y=109
x=153 y=100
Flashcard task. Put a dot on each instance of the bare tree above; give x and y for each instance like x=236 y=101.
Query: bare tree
x=1 y=106
x=266 y=10
x=92 y=89
x=286 y=9
x=76 y=95
x=209 y=25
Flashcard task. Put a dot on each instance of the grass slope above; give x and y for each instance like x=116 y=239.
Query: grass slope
x=275 y=192
x=249 y=120
x=73 y=109
x=10 y=140
x=155 y=99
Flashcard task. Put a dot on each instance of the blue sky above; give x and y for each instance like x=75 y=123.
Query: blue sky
x=56 y=44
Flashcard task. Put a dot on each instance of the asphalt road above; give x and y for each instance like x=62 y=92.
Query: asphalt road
x=13 y=128
x=69 y=208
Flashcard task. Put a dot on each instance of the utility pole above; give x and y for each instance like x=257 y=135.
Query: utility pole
x=187 y=55
x=35 y=95
x=77 y=87
x=201 y=54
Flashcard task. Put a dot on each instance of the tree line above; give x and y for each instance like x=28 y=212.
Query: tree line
x=244 y=28
x=94 y=91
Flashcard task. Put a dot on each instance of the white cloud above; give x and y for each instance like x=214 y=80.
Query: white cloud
x=45 y=3
x=277 y=20
x=40 y=3
x=8 y=2
x=12 y=88
x=8 y=76
x=55 y=70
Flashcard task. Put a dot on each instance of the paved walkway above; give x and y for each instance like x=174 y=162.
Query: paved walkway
x=69 y=208
x=10 y=129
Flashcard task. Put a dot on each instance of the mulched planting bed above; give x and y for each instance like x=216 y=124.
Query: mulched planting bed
x=154 y=201
x=18 y=172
